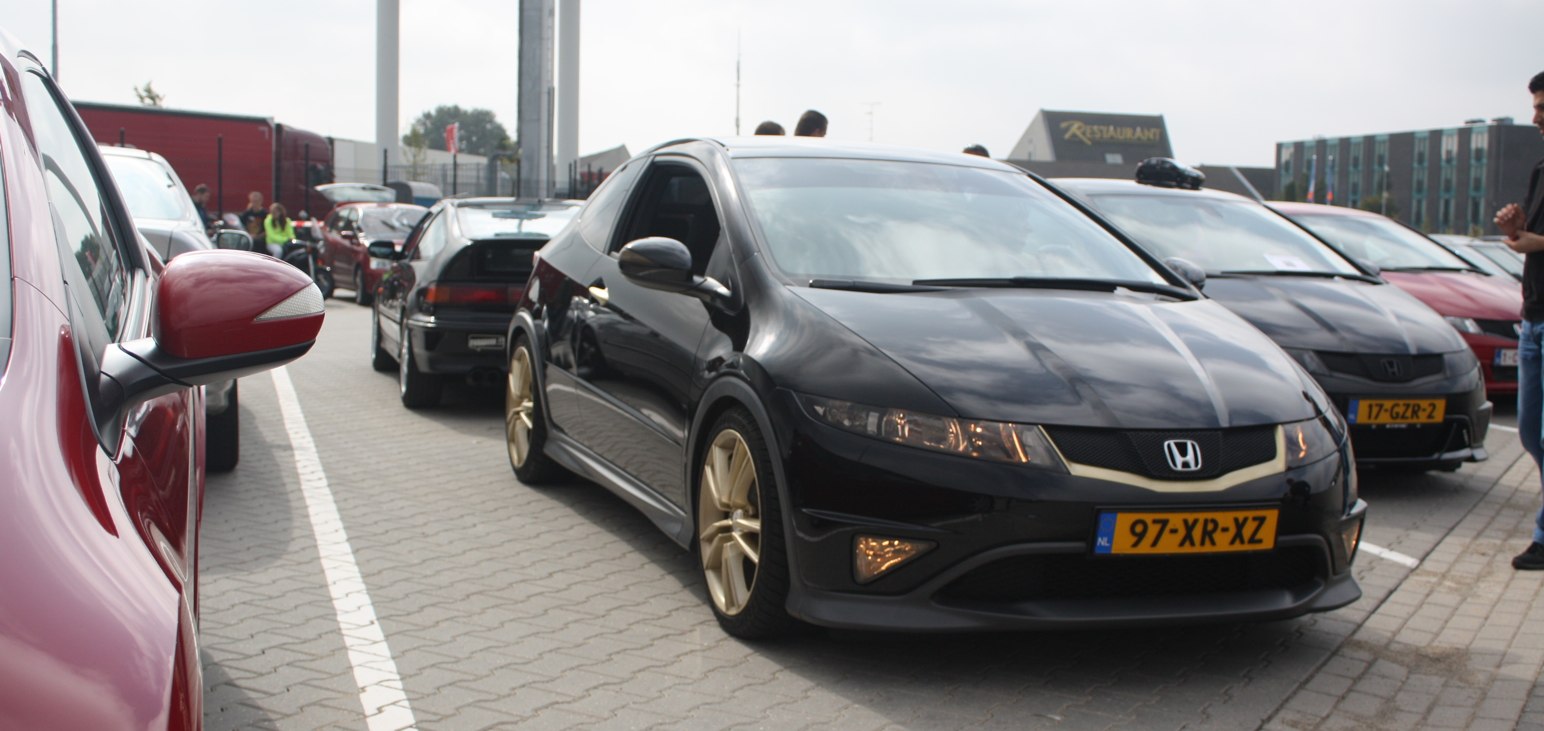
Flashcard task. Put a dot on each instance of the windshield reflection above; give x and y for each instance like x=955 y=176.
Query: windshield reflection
x=1220 y=235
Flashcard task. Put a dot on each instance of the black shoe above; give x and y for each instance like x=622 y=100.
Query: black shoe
x=1531 y=559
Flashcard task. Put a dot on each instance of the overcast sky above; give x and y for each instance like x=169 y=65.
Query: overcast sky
x=1231 y=77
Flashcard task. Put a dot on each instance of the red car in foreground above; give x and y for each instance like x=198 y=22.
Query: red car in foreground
x=102 y=355
x=1486 y=310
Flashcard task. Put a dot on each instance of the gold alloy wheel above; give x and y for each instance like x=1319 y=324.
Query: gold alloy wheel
x=729 y=522
x=519 y=408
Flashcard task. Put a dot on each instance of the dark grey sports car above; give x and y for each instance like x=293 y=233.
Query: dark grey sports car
x=885 y=388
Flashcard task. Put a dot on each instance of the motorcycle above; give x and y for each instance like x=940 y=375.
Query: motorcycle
x=307 y=257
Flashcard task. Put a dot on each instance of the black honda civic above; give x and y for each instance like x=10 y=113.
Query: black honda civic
x=890 y=389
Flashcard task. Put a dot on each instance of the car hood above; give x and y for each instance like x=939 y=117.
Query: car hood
x=1336 y=315
x=1463 y=294
x=1080 y=359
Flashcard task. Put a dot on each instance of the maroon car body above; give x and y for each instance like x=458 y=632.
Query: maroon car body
x=349 y=230
x=1486 y=310
x=102 y=353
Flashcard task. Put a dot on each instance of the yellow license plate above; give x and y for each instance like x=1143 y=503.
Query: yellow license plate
x=1397 y=411
x=1212 y=531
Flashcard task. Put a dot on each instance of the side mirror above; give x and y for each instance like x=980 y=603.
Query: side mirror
x=383 y=250
x=1187 y=270
x=233 y=240
x=219 y=315
x=666 y=265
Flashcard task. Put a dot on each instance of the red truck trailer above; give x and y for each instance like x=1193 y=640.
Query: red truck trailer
x=232 y=154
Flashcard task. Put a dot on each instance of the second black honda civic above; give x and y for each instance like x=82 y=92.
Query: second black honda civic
x=884 y=388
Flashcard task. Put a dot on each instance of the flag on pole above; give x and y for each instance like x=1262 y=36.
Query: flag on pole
x=1313 y=176
x=452 y=137
x=1329 y=182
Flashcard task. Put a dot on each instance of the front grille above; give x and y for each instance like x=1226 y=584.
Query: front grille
x=1064 y=576
x=1416 y=440
x=1142 y=452
x=1383 y=368
x=1500 y=328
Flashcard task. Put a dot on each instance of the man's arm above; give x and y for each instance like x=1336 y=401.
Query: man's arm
x=1510 y=220
x=1525 y=242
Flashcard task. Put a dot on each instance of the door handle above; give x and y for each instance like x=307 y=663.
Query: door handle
x=601 y=295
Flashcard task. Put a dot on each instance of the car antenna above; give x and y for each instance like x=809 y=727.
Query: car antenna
x=1253 y=193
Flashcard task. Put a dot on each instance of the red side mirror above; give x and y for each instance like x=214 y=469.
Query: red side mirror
x=223 y=303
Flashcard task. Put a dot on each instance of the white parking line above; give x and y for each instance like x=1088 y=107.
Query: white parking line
x=1388 y=555
x=380 y=687
x=1512 y=429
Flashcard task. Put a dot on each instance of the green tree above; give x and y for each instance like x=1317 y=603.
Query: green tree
x=417 y=147
x=481 y=133
x=148 y=96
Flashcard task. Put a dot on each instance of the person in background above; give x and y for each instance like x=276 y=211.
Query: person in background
x=1524 y=231
x=770 y=127
x=278 y=229
x=811 y=124
x=201 y=204
x=252 y=217
x=977 y=150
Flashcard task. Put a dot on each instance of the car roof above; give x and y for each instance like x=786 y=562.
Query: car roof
x=1293 y=207
x=822 y=148
x=1095 y=186
x=116 y=151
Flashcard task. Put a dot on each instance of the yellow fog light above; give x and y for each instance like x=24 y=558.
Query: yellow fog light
x=1352 y=535
x=875 y=556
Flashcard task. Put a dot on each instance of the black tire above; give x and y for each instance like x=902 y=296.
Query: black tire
x=361 y=296
x=763 y=613
x=222 y=437
x=536 y=468
x=325 y=283
x=380 y=360
x=418 y=389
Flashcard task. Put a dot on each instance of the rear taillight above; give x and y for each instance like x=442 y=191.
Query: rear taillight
x=440 y=294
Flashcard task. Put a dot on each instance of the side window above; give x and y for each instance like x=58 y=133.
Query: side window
x=80 y=218
x=599 y=216
x=335 y=221
x=675 y=203
x=433 y=238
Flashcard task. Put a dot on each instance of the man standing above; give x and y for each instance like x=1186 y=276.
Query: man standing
x=201 y=204
x=811 y=124
x=1524 y=230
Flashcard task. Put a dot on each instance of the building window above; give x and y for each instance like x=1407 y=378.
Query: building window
x=1380 y=164
x=1285 y=171
x=1114 y=158
x=1449 y=185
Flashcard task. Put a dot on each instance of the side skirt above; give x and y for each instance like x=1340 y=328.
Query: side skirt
x=581 y=461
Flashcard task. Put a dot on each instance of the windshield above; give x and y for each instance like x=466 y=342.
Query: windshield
x=1220 y=235
x=1382 y=242
x=1504 y=257
x=514 y=220
x=149 y=189
x=897 y=222
x=390 y=223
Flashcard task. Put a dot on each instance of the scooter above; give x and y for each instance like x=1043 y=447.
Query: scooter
x=307 y=257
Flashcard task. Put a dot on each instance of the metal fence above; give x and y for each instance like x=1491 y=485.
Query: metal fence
x=468 y=179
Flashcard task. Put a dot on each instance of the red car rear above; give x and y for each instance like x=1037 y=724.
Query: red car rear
x=102 y=489
x=1485 y=309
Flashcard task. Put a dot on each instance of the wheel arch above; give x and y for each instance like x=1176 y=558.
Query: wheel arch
x=535 y=334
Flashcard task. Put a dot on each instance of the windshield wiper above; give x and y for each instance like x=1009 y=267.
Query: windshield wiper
x=1082 y=284
x=859 y=285
x=1295 y=273
x=1430 y=269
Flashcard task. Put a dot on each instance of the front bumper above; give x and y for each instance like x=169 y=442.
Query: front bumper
x=1013 y=547
x=1460 y=437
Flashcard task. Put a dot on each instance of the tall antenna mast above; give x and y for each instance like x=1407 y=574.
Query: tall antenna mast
x=870 y=113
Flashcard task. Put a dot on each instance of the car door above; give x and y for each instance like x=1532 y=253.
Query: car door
x=398 y=283
x=335 y=245
x=635 y=347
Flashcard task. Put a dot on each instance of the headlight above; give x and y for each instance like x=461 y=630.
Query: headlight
x=1459 y=362
x=1309 y=441
x=997 y=441
x=1465 y=325
x=1308 y=359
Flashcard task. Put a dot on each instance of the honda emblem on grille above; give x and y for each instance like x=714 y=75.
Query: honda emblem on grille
x=1184 y=455
x=1392 y=367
